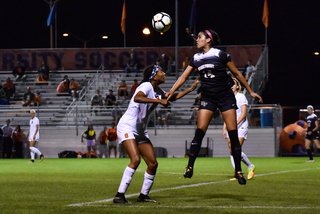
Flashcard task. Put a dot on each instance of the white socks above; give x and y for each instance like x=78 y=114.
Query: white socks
x=147 y=183
x=244 y=159
x=126 y=179
x=34 y=150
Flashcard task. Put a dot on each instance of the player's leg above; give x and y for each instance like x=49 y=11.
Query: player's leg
x=109 y=150
x=115 y=151
x=34 y=150
x=131 y=148
x=246 y=161
x=88 y=151
x=229 y=117
x=94 y=148
x=307 y=145
x=204 y=118
x=148 y=155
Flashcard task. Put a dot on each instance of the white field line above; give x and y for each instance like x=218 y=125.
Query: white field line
x=190 y=185
x=215 y=207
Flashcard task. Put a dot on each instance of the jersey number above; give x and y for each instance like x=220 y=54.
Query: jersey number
x=209 y=74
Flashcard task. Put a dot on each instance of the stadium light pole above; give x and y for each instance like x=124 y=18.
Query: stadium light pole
x=84 y=41
x=176 y=39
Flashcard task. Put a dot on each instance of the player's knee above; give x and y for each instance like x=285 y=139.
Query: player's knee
x=135 y=160
x=153 y=165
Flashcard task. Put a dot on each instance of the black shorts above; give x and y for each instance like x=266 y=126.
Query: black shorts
x=223 y=103
x=313 y=136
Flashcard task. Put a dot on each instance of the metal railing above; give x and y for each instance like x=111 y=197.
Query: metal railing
x=258 y=79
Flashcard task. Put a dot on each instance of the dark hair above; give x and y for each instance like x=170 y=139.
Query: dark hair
x=89 y=127
x=147 y=73
x=214 y=36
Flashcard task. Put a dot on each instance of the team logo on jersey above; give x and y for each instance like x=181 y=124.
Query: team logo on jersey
x=126 y=135
x=203 y=103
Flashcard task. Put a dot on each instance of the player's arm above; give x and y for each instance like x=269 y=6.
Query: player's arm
x=35 y=133
x=243 y=113
x=141 y=98
x=243 y=81
x=179 y=95
x=224 y=131
x=317 y=126
x=180 y=81
x=82 y=137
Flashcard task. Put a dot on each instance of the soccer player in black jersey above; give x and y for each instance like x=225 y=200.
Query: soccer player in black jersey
x=216 y=92
x=312 y=132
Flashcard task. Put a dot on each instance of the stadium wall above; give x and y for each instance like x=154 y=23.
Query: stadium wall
x=260 y=142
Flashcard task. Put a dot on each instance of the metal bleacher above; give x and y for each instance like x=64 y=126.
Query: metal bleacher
x=62 y=111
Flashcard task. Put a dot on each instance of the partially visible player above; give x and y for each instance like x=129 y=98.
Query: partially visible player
x=34 y=136
x=312 y=132
x=132 y=130
x=242 y=125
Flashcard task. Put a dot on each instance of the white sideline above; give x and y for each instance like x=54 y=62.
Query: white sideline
x=201 y=184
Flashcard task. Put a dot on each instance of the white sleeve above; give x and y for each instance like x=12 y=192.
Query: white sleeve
x=146 y=88
x=36 y=121
x=242 y=100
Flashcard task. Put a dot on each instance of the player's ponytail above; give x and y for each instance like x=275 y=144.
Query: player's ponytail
x=215 y=39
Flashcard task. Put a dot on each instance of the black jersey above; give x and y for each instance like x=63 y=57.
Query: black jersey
x=311 y=120
x=212 y=70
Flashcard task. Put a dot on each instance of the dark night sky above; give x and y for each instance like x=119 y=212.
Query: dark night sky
x=293 y=33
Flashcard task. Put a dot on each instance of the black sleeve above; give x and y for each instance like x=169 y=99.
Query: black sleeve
x=225 y=58
x=192 y=63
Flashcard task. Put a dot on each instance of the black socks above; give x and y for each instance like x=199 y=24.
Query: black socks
x=195 y=146
x=235 y=149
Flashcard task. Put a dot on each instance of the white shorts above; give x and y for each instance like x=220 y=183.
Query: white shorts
x=37 y=139
x=126 y=134
x=242 y=132
x=112 y=143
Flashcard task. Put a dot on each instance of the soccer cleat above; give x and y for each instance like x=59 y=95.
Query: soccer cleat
x=241 y=179
x=32 y=161
x=188 y=173
x=310 y=161
x=145 y=198
x=41 y=157
x=251 y=172
x=120 y=199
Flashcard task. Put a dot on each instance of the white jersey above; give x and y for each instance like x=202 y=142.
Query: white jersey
x=241 y=100
x=136 y=118
x=33 y=127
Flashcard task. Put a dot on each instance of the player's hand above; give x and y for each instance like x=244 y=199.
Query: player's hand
x=256 y=96
x=224 y=134
x=168 y=94
x=164 y=102
x=34 y=137
x=195 y=83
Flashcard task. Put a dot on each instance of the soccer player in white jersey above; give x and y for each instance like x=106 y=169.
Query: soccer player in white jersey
x=211 y=64
x=132 y=130
x=34 y=136
x=242 y=125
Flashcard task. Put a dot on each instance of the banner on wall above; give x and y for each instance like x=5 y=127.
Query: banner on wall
x=111 y=58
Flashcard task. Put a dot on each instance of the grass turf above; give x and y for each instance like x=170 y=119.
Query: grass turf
x=287 y=185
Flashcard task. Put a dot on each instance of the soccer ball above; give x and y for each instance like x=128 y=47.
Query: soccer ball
x=161 y=22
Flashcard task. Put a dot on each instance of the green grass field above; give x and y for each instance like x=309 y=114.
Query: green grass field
x=280 y=185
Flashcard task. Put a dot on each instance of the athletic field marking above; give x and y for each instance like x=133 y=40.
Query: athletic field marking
x=215 y=207
x=183 y=186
